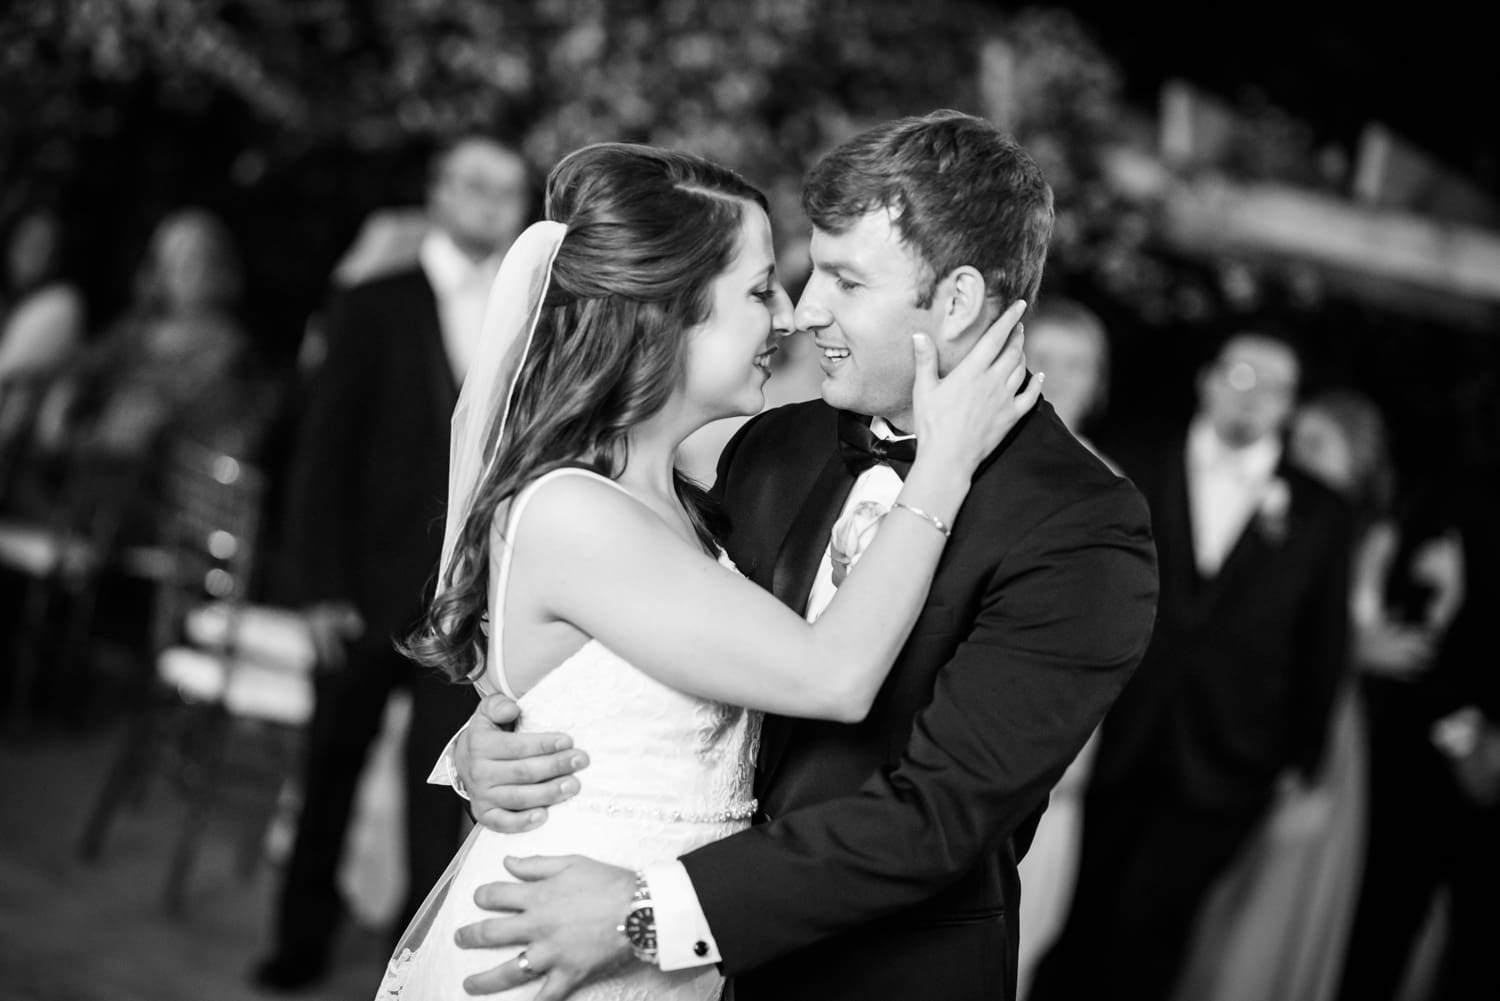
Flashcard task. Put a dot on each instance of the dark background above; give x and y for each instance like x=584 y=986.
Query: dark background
x=1427 y=70
x=145 y=142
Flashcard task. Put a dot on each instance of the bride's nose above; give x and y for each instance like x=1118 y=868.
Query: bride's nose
x=783 y=318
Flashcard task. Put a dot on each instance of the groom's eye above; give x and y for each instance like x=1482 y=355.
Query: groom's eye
x=845 y=285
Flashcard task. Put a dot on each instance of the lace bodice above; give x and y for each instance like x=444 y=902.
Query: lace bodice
x=655 y=751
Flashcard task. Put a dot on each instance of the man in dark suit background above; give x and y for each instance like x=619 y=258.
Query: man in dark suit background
x=364 y=527
x=1234 y=693
x=884 y=864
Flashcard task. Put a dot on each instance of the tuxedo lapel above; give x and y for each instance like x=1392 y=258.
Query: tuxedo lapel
x=1251 y=556
x=434 y=355
x=1196 y=596
x=801 y=551
x=1241 y=555
x=1257 y=540
x=797 y=564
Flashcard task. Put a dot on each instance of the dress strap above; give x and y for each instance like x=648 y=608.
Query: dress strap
x=502 y=577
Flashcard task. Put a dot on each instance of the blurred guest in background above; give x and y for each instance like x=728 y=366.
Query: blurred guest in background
x=167 y=360
x=1233 y=696
x=1067 y=341
x=1277 y=924
x=42 y=310
x=363 y=530
x=41 y=326
x=177 y=364
x=1432 y=696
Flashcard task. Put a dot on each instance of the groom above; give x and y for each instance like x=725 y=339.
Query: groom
x=884 y=862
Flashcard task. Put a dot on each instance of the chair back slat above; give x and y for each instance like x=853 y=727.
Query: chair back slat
x=212 y=512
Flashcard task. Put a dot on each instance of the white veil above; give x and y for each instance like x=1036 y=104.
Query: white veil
x=510 y=319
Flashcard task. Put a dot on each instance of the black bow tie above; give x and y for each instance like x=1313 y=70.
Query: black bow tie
x=861 y=449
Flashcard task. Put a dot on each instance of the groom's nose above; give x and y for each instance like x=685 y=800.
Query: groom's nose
x=811 y=314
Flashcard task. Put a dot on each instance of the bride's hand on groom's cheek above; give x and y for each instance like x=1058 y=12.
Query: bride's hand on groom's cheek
x=565 y=914
x=511 y=778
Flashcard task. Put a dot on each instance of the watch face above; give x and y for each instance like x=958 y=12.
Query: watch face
x=640 y=928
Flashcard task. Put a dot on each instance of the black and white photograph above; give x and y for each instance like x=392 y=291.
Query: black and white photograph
x=748 y=500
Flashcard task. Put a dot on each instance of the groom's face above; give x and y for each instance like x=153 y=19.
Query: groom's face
x=860 y=306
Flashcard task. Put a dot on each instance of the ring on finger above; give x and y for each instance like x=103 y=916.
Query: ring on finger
x=523 y=963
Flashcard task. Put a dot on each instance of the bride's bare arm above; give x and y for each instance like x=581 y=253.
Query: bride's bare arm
x=605 y=563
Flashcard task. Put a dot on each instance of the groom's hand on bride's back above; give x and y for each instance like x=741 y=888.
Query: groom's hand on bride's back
x=511 y=778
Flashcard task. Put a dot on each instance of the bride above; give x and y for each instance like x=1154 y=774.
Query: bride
x=580 y=571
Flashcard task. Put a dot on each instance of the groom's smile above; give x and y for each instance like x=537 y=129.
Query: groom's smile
x=832 y=354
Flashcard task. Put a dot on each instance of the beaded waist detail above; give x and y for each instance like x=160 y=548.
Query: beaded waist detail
x=733 y=812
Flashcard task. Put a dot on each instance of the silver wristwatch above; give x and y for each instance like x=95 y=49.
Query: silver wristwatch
x=639 y=927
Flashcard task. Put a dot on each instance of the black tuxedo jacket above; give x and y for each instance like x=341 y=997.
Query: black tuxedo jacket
x=1242 y=670
x=886 y=865
x=369 y=475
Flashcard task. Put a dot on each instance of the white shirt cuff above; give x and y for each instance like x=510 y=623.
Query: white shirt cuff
x=443 y=773
x=683 y=938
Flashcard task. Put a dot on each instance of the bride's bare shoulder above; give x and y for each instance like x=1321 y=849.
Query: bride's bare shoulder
x=571 y=509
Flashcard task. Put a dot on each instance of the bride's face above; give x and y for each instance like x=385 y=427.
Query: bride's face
x=729 y=354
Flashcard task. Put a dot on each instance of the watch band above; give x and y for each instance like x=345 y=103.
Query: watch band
x=639 y=926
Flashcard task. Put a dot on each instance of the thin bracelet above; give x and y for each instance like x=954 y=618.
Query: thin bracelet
x=932 y=520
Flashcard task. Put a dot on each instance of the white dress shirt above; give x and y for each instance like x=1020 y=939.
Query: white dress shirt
x=1226 y=486
x=462 y=288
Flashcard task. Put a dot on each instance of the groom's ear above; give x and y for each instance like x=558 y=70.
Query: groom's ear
x=964 y=302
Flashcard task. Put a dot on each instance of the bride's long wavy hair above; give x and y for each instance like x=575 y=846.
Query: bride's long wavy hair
x=648 y=232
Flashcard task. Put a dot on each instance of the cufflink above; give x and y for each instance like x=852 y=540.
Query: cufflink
x=700 y=948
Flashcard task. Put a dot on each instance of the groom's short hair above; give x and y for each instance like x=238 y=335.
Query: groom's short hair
x=961 y=192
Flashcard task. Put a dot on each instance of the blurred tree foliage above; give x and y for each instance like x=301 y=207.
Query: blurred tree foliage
x=295 y=92
x=295 y=118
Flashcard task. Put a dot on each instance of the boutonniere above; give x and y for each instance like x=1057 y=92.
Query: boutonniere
x=850 y=537
x=1275 y=502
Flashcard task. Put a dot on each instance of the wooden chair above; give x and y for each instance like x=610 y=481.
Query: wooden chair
x=232 y=681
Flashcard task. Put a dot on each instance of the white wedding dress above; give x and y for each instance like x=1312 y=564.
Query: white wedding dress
x=669 y=773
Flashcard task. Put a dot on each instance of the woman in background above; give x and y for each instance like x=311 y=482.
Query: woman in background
x=41 y=327
x=167 y=363
x=177 y=365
